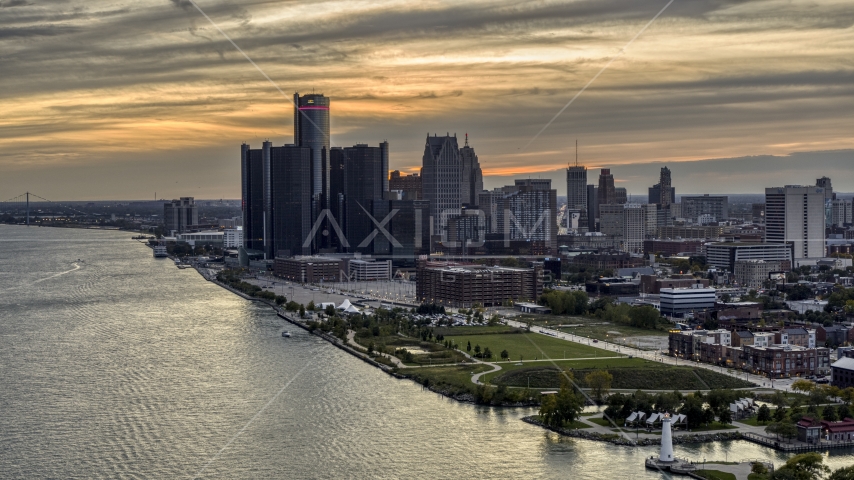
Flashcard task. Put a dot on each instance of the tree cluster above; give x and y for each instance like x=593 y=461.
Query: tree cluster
x=565 y=302
x=563 y=408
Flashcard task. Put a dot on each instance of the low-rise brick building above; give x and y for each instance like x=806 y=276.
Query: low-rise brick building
x=309 y=269
x=463 y=285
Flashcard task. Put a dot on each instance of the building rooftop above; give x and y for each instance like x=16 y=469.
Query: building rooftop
x=845 y=363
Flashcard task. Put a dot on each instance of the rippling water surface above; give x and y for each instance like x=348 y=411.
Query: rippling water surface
x=122 y=366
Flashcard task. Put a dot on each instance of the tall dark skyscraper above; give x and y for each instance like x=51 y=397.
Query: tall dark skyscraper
x=252 y=190
x=276 y=184
x=440 y=179
x=364 y=182
x=607 y=193
x=592 y=208
x=290 y=201
x=576 y=187
x=657 y=195
x=311 y=129
x=471 y=182
x=664 y=187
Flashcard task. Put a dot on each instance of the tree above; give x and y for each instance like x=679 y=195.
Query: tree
x=645 y=316
x=782 y=429
x=725 y=416
x=806 y=466
x=330 y=310
x=693 y=409
x=764 y=414
x=476 y=350
x=803 y=386
x=599 y=382
x=504 y=354
x=759 y=468
x=302 y=311
x=280 y=300
x=563 y=408
x=844 y=473
x=468 y=346
x=310 y=306
x=829 y=413
x=487 y=353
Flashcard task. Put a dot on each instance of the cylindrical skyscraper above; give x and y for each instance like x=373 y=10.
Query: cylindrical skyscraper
x=311 y=129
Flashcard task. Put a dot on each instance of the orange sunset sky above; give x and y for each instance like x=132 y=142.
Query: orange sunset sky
x=122 y=99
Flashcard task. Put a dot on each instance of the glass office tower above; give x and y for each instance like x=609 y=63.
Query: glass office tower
x=311 y=129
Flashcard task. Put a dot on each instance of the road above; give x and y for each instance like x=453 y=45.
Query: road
x=776 y=384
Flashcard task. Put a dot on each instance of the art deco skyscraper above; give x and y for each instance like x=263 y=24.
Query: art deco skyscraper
x=664 y=187
x=607 y=193
x=471 y=180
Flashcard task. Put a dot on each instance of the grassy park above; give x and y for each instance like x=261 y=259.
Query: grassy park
x=628 y=374
x=527 y=346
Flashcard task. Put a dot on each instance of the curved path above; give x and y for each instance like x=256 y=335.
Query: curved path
x=352 y=342
x=762 y=382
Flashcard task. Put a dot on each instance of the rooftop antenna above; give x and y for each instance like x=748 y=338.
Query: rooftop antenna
x=467 y=139
x=576 y=152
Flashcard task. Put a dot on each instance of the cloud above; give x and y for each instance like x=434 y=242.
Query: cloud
x=89 y=83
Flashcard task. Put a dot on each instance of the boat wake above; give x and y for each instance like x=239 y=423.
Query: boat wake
x=76 y=267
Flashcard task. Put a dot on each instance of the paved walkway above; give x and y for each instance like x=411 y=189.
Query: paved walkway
x=352 y=342
x=782 y=385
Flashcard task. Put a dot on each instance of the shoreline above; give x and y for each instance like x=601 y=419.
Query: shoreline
x=617 y=439
x=391 y=371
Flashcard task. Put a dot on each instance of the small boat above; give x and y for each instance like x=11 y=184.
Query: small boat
x=286 y=334
x=160 y=251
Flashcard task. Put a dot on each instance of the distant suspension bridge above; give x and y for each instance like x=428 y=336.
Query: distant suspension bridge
x=22 y=204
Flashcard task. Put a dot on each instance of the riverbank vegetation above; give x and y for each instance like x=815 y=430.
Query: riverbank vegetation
x=232 y=278
x=709 y=411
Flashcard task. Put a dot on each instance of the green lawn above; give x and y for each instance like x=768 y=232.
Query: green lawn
x=437 y=353
x=628 y=373
x=475 y=330
x=530 y=346
x=715 y=475
x=603 y=422
x=577 y=424
x=452 y=375
x=602 y=363
x=591 y=327
x=753 y=422
x=714 y=426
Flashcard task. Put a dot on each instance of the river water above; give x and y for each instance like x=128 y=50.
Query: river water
x=122 y=366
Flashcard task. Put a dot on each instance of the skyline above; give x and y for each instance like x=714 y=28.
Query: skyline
x=732 y=96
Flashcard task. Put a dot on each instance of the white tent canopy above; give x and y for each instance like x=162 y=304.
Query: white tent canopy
x=345 y=304
x=351 y=309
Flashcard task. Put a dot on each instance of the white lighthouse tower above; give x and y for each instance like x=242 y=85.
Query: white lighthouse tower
x=666 y=454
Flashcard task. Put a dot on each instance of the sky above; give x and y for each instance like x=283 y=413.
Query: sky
x=131 y=99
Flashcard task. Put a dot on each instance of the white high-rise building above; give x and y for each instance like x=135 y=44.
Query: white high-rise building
x=634 y=227
x=796 y=214
x=232 y=237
